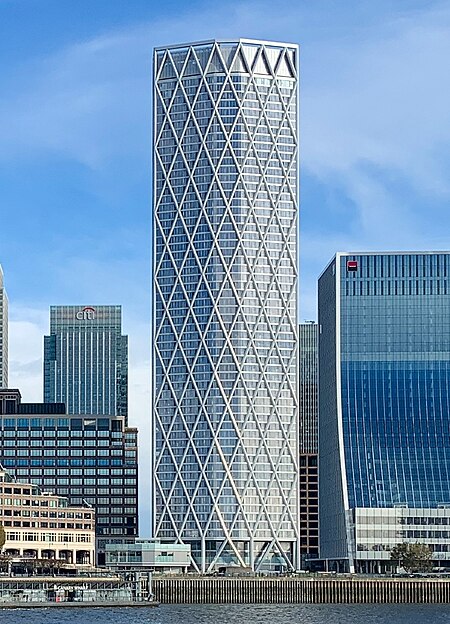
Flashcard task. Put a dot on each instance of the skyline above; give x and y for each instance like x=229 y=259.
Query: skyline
x=75 y=124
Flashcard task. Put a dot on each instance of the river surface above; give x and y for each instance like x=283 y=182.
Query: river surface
x=235 y=614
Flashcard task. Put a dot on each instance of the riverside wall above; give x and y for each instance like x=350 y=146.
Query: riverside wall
x=300 y=590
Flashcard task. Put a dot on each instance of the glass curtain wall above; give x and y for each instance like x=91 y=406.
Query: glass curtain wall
x=225 y=281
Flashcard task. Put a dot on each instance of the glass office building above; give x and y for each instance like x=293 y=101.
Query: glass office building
x=308 y=429
x=3 y=334
x=89 y=459
x=225 y=282
x=86 y=360
x=384 y=400
x=308 y=386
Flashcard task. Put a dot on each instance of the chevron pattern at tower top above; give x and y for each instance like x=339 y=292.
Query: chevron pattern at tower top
x=225 y=278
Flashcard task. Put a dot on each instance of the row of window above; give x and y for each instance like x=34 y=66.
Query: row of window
x=25 y=441
x=400 y=265
x=47 y=537
x=62 y=424
x=46 y=525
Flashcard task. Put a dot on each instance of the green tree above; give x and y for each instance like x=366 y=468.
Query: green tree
x=2 y=536
x=412 y=557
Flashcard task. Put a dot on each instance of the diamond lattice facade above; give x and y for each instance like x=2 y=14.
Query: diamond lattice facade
x=225 y=281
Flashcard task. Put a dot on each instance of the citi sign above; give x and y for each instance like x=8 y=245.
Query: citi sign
x=86 y=314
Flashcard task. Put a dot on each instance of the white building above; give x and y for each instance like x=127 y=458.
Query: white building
x=225 y=301
x=148 y=554
x=40 y=525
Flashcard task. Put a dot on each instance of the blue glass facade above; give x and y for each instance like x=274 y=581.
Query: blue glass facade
x=384 y=384
x=225 y=279
x=86 y=360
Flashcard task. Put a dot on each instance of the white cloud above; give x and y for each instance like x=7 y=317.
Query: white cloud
x=383 y=101
x=376 y=129
x=26 y=329
x=140 y=413
x=378 y=96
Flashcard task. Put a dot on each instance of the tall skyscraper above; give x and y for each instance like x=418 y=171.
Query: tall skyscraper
x=3 y=334
x=384 y=404
x=308 y=430
x=225 y=282
x=86 y=360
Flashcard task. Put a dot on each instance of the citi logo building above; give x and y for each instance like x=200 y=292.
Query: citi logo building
x=86 y=314
x=86 y=360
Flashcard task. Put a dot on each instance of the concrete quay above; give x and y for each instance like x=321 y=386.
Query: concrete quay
x=313 y=590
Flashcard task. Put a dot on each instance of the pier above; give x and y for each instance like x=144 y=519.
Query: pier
x=294 y=590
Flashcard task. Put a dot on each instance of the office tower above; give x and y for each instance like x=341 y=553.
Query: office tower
x=90 y=459
x=308 y=428
x=86 y=360
x=3 y=334
x=225 y=282
x=384 y=447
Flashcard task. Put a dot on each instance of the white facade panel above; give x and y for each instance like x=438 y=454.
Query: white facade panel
x=225 y=297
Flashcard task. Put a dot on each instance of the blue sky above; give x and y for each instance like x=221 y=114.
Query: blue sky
x=75 y=147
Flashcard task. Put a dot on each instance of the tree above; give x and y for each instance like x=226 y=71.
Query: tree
x=2 y=536
x=412 y=557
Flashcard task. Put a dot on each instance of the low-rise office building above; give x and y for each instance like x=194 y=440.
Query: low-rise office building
x=90 y=459
x=149 y=554
x=375 y=532
x=41 y=525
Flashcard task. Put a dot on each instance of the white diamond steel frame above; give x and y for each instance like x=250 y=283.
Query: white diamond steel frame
x=225 y=298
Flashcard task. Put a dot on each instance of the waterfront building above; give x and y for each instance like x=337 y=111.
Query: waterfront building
x=90 y=459
x=41 y=525
x=148 y=554
x=225 y=302
x=384 y=404
x=86 y=360
x=3 y=334
x=308 y=428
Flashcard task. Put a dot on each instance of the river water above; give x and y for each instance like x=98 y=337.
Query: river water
x=236 y=614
